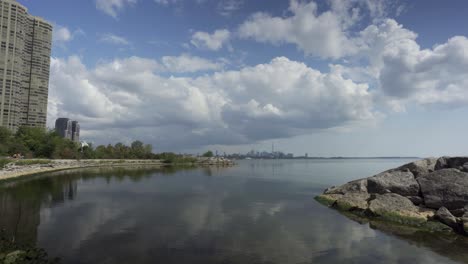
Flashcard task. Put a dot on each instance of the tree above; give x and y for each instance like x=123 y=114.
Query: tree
x=5 y=135
x=5 y=140
x=101 y=152
x=208 y=154
x=88 y=152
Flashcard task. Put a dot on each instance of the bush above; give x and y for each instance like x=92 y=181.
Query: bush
x=4 y=162
x=208 y=154
x=31 y=162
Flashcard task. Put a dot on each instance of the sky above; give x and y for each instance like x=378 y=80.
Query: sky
x=323 y=77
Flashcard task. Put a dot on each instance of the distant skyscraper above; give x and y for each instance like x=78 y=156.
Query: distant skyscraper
x=64 y=127
x=75 y=131
x=67 y=128
x=25 y=50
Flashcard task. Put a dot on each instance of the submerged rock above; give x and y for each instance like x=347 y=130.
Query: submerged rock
x=445 y=187
x=13 y=257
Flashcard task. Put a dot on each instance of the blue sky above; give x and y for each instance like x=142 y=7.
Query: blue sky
x=326 y=77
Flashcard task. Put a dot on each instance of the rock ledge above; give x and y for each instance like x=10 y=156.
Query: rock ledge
x=431 y=193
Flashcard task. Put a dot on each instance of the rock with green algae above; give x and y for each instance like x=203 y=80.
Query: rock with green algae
x=13 y=257
x=13 y=253
x=401 y=195
x=396 y=208
x=353 y=202
x=328 y=199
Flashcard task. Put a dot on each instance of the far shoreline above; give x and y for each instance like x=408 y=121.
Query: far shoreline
x=45 y=166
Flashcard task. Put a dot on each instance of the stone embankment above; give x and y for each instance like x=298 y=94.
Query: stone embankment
x=215 y=161
x=430 y=193
x=13 y=171
x=40 y=166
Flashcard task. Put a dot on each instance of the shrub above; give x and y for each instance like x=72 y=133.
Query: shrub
x=31 y=162
x=4 y=162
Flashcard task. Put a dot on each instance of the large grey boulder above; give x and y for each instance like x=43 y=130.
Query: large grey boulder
x=353 y=201
x=465 y=222
x=444 y=215
x=420 y=167
x=465 y=167
x=445 y=187
x=399 y=182
x=354 y=186
x=397 y=208
x=451 y=162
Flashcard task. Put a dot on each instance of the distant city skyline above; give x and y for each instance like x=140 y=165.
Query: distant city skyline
x=326 y=77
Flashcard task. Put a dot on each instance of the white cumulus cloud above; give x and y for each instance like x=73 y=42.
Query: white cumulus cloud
x=62 y=34
x=188 y=63
x=325 y=34
x=214 y=41
x=130 y=99
x=406 y=73
x=318 y=34
x=113 y=7
x=227 y=7
x=114 y=39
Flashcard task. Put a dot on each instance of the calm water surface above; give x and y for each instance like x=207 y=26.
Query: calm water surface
x=257 y=212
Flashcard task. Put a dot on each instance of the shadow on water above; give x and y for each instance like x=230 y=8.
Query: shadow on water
x=452 y=245
x=200 y=215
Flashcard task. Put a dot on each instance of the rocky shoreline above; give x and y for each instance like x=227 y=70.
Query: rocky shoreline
x=12 y=171
x=431 y=194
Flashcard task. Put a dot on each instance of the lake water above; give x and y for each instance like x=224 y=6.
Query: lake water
x=256 y=212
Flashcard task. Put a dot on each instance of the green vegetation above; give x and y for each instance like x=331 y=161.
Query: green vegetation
x=39 y=143
x=36 y=143
x=208 y=154
x=171 y=158
x=31 y=162
x=4 y=162
x=11 y=252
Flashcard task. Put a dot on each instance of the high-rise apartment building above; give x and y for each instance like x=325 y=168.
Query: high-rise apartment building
x=67 y=128
x=75 y=131
x=64 y=127
x=25 y=50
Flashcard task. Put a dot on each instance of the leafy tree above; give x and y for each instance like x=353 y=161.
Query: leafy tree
x=40 y=143
x=208 y=154
x=5 y=140
x=5 y=135
x=100 y=152
x=88 y=152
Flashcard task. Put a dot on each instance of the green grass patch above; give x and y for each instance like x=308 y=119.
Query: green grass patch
x=31 y=162
x=4 y=162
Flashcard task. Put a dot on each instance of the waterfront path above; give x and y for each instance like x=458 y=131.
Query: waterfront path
x=13 y=171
